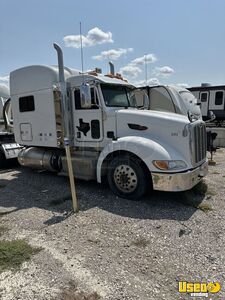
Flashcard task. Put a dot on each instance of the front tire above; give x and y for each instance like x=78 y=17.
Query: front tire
x=127 y=177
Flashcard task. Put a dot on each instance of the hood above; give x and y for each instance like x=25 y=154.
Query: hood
x=170 y=130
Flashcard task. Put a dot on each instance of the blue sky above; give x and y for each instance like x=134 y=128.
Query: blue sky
x=184 y=41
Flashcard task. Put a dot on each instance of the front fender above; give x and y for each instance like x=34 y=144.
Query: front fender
x=144 y=148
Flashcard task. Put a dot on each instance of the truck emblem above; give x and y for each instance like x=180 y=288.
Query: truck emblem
x=83 y=127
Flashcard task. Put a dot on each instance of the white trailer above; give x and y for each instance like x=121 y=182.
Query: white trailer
x=211 y=98
x=8 y=148
x=133 y=148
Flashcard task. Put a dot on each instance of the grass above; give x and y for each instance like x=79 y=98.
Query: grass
x=203 y=189
x=205 y=207
x=193 y=197
x=72 y=293
x=14 y=253
x=141 y=243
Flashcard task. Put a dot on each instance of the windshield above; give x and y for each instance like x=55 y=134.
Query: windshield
x=118 y=96
x=189 y=97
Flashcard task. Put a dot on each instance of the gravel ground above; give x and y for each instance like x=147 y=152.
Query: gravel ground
x=118 y=248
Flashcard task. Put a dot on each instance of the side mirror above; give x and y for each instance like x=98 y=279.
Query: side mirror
x=85 y=95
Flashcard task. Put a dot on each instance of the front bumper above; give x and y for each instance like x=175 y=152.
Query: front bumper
x=177 y=182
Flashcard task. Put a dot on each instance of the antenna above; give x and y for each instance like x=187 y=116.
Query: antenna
x=146 y=71
x=81 y=50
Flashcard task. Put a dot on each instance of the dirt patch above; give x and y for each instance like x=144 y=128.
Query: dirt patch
x=72 y=293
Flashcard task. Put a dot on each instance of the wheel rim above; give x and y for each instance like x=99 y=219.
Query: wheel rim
x=125 y=178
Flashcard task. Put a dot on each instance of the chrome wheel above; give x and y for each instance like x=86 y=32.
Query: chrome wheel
x=125 y=178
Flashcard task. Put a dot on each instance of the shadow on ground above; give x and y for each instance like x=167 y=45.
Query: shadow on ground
x=29 y=188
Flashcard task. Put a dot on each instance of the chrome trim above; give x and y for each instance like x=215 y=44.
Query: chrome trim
x=177 y=182
x=198 y=143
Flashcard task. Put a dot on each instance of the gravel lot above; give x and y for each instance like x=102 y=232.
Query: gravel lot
x=117 y=248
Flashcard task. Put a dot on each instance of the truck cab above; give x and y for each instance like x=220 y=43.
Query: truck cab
x=112 y=135
x=172 y=98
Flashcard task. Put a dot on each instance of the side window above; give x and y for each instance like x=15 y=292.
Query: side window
x=26 y=103
x=204 y=97
x=94 y=99
x=219 y=98
x=160 y=100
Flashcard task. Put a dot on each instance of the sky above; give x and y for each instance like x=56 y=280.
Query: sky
x=165 y=41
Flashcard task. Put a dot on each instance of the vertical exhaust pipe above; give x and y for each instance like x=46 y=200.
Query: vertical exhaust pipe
x=64 y=100
x=111 y=68
x=65 y=118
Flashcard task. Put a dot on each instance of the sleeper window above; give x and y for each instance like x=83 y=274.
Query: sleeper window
x=26 y=104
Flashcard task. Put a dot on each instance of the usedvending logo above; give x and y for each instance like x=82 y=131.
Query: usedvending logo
x=199 y=289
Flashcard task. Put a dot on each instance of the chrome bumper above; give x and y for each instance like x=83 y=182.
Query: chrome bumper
x=177 y=182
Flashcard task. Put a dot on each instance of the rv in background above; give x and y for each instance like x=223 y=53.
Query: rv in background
x=211 y=98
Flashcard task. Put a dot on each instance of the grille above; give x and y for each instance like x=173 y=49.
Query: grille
x=199 y=142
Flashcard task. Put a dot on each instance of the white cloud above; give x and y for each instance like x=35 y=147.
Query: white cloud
x=4 y=79
x=148 y=58
x=183 y=85
x=94 y=37
x=133 y=69
x=153 y=81
x=112 y=54
x=163 y=71
x=130 y=71
x=150 y=82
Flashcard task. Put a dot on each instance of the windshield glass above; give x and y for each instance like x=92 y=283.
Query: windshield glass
x=189 y=97
x=118 y=96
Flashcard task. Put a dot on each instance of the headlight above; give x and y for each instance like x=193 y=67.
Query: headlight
x=169 y=164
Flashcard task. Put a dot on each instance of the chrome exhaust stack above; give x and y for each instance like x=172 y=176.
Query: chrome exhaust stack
x=112 y=68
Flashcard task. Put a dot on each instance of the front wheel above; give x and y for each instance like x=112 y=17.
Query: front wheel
x=127 y=177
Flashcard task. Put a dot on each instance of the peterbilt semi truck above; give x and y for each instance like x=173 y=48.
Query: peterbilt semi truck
x=112 y=137
x=8 y=148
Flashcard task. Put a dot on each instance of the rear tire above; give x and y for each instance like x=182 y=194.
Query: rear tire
x=127 y=177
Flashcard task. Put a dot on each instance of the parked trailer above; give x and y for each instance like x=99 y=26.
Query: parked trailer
x=211 y=98
x=8 y=148
x=134 y=148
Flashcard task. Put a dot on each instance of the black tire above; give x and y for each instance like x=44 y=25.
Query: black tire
x=127 y=177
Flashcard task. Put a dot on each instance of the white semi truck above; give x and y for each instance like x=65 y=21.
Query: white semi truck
x=8 y=148
x=111 y=136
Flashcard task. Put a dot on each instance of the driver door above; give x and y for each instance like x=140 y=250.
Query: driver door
x=88 y=125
